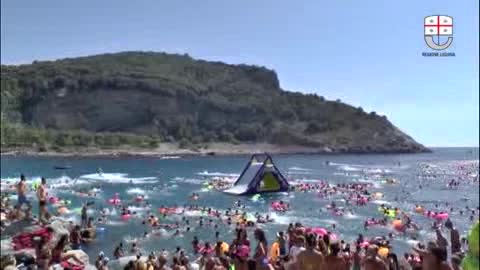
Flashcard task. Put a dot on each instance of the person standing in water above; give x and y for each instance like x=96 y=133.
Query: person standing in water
x=84 y=216
x=43 y=214
x=22 y=195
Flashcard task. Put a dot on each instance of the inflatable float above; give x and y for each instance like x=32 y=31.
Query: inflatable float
x=125 y=217
x=115 y=200
x=279 y=206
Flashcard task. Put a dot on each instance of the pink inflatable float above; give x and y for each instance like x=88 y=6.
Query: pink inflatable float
x=125 y=217
x=115 y=200
x=364 y=244
x=53 y=200
x=279 y=206
x=441 y=216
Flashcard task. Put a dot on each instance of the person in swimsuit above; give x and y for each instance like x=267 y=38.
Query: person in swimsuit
x=261 y=250
x=282 y=244
x=333 y=261
x=99 y=260
x=454 y=238
x=434 y=258
x=90 y=232
x=43 y=253
x=84 y=216
x=43 y=214
x=372 y=261
x=21 y=193
x=60 y=253
x=310 y=258
x=76 y=238
x=118 y=252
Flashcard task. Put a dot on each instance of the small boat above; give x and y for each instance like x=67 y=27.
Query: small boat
x=62 y=167
x=170 y=157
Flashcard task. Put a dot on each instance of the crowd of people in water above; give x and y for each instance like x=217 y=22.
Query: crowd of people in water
x=298 y=247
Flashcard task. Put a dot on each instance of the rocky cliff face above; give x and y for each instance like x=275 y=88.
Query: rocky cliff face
x=178 y=98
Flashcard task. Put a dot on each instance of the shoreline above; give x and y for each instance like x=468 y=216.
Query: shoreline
x=213 y=149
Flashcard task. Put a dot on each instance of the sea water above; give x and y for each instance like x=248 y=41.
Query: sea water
x=168 y=182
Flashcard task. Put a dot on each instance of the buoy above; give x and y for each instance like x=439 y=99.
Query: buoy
x=397 y=224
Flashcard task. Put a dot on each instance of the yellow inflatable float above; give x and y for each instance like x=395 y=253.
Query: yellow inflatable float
x=274 y=251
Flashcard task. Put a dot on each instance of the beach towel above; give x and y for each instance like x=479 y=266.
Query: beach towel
x=25 y=239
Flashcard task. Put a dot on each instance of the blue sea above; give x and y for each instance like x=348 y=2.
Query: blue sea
x=169 y=182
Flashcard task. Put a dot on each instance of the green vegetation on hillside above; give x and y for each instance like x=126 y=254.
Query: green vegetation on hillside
x=142 y=98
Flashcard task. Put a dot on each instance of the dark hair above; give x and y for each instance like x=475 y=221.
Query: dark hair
x=439 y=253
x=326 y=239
x=260 y=236
x=393 y=261
x=334 y=249
x=22 y=177
x=44 y=181
x=62 y=242
x=241 y=232
x=311 y=240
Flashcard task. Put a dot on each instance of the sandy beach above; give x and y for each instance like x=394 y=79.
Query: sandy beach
x=172 y=149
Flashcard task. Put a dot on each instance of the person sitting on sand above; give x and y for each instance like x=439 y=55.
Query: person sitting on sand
x=60 y=252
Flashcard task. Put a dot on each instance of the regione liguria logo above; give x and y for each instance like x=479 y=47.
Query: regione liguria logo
x=437 y=28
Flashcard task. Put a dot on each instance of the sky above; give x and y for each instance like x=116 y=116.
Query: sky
x=366 y=53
